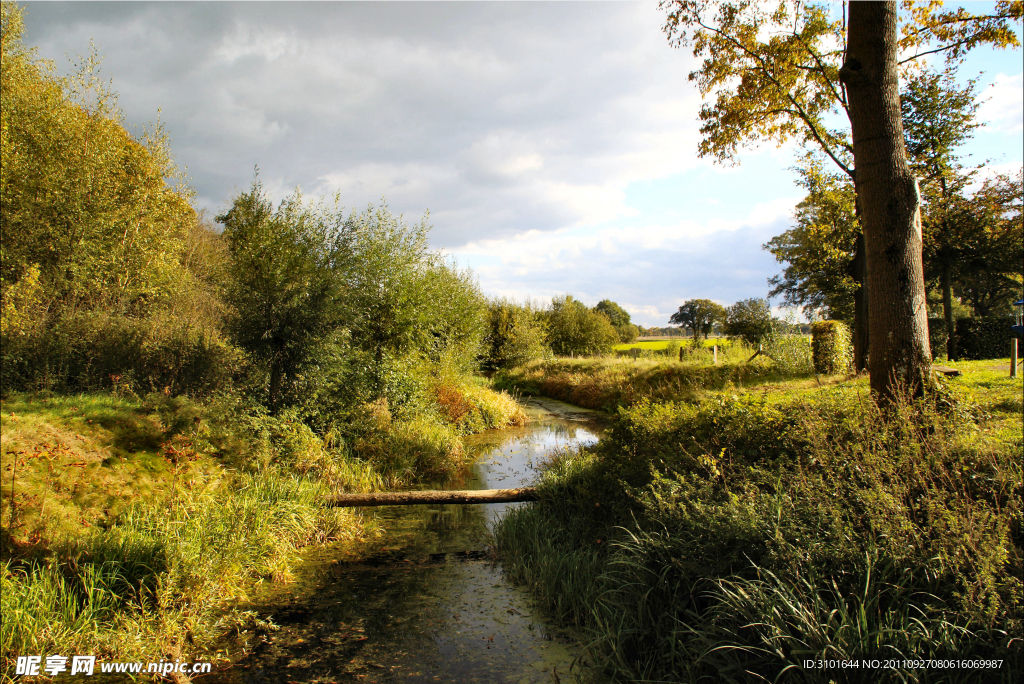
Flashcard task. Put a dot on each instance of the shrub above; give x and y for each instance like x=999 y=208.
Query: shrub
x=739 y=537
x=98 y=350
x=791 y=354
x=831 y=347
x=573 y=329
x=515 y=334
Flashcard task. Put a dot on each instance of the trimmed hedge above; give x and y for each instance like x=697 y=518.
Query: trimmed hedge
x=983 y=338
x=831 y=347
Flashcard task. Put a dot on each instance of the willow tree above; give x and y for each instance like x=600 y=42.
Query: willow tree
x=782 y=71
x=288 y=277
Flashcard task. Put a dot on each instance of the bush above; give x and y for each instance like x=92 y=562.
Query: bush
x=831 y=347
x=987 y=337
x=97 y=350
x=575 y=330
x=515 y=334
x=791 y=354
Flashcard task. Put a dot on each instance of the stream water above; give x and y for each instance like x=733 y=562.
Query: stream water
x=424 y=603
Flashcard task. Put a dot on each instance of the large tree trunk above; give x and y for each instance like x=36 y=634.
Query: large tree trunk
x=859 y=271
x=900 y=358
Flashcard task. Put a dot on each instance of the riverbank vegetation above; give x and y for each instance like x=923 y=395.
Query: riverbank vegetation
x=177 y=402
x=736 y=534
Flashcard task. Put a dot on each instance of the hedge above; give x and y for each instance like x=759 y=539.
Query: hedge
x=983 y=338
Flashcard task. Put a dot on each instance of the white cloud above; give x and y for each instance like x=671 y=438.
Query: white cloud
x=649 y=269
x=1002 y=103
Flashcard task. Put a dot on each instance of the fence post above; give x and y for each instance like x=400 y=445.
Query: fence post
x=715 y=352
x=1013 y=357
x=680 y=354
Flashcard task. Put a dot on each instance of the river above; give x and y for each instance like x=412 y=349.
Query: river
x=423 y=602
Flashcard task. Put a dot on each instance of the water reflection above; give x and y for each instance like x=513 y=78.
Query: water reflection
x=422 y=603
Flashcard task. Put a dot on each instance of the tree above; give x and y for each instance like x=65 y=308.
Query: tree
x=750 y=319
x=404 y=298
x=991 y=275
x=80 y=198
x=573 y=329
x=890 y=204
x=780 y=70
x=619 y=318
x=938 y=116
x=699 y=315
x=515 y=334
x=287 y=279
x=819 y=250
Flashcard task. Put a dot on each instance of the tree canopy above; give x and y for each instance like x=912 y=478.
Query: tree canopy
x=102 y=214
x=699 y=315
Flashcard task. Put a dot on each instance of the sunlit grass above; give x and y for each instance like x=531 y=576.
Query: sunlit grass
x=731 y=535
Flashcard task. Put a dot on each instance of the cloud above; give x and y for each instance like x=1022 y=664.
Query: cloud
x=649 y=269
x=498 y=117
x=1002 y=104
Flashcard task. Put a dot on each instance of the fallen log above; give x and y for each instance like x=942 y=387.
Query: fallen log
x=433 y=497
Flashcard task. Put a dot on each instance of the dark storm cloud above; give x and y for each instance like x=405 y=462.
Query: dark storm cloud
x=498 y=117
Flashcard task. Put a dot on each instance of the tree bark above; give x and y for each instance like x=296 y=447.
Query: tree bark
x=433 y=497
x=859 y=271
x=900 y=356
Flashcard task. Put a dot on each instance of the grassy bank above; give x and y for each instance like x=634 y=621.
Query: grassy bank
x=131 y=526
x=608 y=383
x=732 y=537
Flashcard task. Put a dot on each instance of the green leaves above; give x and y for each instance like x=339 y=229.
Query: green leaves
x=774 y=71
x=80 y=197
x=699 y=315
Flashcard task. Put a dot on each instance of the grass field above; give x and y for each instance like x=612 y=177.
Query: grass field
x=675 y=343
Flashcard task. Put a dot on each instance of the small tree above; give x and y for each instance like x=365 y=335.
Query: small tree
x=404 y=298
x=619 y=318
x=515 y=334
x=699 y=315
x=750 y=319
x=575 y=329
x=287 y=276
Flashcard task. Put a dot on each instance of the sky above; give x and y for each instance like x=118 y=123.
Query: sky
x=554 y=144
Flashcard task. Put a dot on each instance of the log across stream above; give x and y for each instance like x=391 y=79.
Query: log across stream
x=424 y=601
x=427 y=497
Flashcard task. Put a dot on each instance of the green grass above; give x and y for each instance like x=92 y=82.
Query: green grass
x=608 y=383
x=731 y=536
x=675 y=343
x=135 y=526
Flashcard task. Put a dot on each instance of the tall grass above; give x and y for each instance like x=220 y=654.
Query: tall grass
x=158 y=580
x=733 y=539
x=220 y=497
